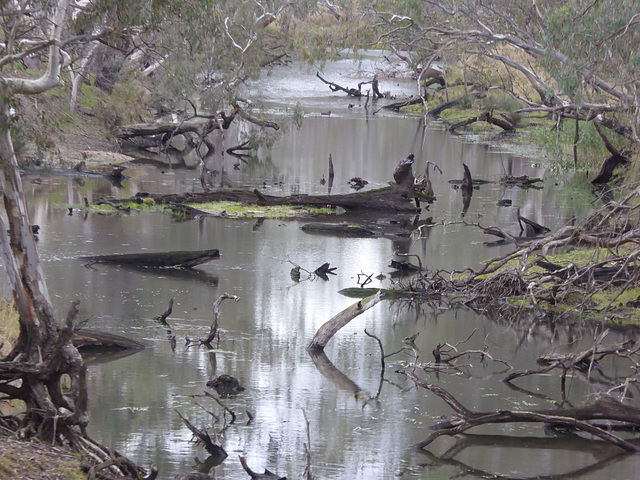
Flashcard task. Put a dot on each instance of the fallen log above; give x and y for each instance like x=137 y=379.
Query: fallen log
x=380 y=199
x=186 y=259
x=330 y=328
x=398 y=198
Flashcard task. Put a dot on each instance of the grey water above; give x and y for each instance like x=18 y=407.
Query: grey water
x=359 y=427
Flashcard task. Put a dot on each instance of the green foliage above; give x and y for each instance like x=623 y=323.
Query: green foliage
x=593 y=37
x=557 y=140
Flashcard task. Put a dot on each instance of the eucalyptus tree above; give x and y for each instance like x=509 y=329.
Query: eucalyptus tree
x=218 y=40
x=43 y=354
x=580 y=57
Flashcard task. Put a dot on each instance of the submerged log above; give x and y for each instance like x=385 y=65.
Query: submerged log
x=186 y=259
x=340 y=229
x=85 y=339
x=389 y=294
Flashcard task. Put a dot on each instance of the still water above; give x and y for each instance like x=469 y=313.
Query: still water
x=359 y=428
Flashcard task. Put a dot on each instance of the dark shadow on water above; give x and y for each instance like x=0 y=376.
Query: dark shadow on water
x=174 y=273
x=605 y=455
x=99 y=355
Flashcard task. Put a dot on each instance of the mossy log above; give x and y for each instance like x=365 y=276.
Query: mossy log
x=381 y=199
x=186 y=259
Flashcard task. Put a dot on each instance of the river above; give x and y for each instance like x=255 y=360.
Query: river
x=359 y=428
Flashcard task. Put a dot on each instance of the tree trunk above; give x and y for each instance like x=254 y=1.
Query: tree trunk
x=43 y=352
x=331 y=327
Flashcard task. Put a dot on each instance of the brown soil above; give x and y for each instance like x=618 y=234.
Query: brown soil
x=66 y=138
x=33 y=460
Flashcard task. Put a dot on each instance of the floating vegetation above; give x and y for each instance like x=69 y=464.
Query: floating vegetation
x=243 y=210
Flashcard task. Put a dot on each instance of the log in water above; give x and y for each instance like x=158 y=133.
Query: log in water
x=187 y=259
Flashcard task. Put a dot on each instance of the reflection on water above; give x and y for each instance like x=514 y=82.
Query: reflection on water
x=359 y=427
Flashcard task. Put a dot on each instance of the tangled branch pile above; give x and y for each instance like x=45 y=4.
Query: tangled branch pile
x=590 y=267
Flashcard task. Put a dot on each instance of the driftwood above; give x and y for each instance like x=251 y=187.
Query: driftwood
x=184 y=259
x=204 y=438
x=340 y=229
x=358 y=231
x=330 y=328
x=523 y=181
x=115 y=175
x=266 y=475
x=353 y=92
x=584 y=360
x=216 y=314
x=404 y=103
x=405 y=266
x=467 y=181
x=605 y=408
x=151 y=129
x=163 y=318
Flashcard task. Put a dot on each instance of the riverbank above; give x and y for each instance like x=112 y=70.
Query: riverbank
x=34 y=460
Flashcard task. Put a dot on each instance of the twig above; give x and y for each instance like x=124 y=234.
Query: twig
x=307 y=447
x=227 y=409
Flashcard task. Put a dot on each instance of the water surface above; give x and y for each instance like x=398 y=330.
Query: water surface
x=359 y=427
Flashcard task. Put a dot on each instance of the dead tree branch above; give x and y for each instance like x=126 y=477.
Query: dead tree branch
x=330 y=328
x=464 y=419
